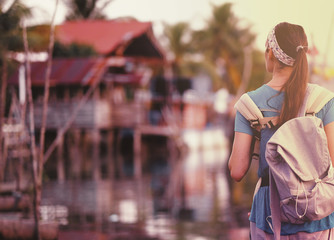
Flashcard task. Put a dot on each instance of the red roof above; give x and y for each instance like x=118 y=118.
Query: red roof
x=104 y=36
x=66 y=72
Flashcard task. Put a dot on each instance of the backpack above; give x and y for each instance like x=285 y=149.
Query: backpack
x=301 y=174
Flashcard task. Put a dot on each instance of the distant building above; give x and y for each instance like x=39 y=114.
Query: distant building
x=127 y=52
x=128 y=57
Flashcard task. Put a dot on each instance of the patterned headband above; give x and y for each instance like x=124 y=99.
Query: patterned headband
x=278 y=52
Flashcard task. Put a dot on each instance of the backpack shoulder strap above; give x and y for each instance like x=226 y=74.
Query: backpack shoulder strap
x=246 y=106
x=317 y=98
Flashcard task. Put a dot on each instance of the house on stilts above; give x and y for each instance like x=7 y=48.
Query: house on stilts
x=92 y=97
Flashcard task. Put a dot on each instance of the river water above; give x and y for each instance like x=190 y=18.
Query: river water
x=189 y=198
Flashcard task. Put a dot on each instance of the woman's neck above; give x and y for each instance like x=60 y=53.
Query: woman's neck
x=280 y=77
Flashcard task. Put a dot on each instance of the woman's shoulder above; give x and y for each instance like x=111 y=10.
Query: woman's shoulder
x=262 y=94
x=264 y=89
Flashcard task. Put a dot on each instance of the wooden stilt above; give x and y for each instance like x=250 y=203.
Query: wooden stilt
x=119 y=157
x=86 y=158
x=137 y=153
x=60 y=161
x=110 y=157
x=75 y=154
x=19 y=171
x=96 y=155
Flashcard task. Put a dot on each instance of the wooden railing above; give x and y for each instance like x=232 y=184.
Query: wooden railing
x=94 y=114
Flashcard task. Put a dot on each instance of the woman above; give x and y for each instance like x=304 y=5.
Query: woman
x=286 y=59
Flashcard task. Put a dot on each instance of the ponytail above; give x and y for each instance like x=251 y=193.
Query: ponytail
x=293 y=41
x=295 y=89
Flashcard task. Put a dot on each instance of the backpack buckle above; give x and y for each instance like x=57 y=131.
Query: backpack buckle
x=310 y=114
x=255 y=123
x=270 y=124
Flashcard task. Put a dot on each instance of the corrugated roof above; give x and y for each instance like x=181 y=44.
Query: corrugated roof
x=104 y=36
x=73 y=71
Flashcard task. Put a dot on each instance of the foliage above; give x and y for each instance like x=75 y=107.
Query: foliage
x=259 y=74
x=11 y=33
x=219 y=49
x=222 y=41
x=10 y=20
x=38 y=37
x=73 y=50
x=85 y=9
x=178 y=37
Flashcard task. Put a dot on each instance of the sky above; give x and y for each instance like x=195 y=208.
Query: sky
x=316 y=16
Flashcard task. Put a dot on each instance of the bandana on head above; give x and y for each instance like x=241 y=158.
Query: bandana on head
x=278 y=52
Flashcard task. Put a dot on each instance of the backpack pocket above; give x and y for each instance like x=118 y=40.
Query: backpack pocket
x=310 y=201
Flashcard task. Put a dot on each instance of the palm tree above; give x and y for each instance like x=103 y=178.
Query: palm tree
x=10 y=20
x=86 y=9
x=178 y=37
x=222 y=43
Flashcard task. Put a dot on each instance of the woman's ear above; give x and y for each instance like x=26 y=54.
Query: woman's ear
x=271 y=54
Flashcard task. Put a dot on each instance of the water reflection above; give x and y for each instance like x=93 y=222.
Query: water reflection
x=55 y=212
x=186 y=198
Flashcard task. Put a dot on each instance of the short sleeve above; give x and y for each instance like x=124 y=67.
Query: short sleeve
x=327 y=113
x=242 y=124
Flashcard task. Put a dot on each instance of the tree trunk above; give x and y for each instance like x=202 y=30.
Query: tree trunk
x=247 y=71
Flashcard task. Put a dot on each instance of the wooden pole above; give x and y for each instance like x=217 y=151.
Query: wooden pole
x=2 y=112
x=75 y=154
x=137 y=153
x=60 y=161
x=110 y=144
x=46 y=90
x=45 y=102
x=38 y=163
x=86 y=159
x=119 y=158
x=32 y=136
x=96 y=155
x=96 y=144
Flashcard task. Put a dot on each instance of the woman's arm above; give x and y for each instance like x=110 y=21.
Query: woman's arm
x=239 y=161
x=329 y=130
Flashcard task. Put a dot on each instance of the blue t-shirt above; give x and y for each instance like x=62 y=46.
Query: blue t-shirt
x=267 y=98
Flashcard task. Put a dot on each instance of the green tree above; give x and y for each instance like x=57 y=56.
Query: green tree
x=10 y=25
x=86 y=9
x=179 y=45
x=73 y=50
x=222 y=42
x=38 y=38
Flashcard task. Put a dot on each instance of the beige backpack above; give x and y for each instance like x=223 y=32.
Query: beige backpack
x=300 y=167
